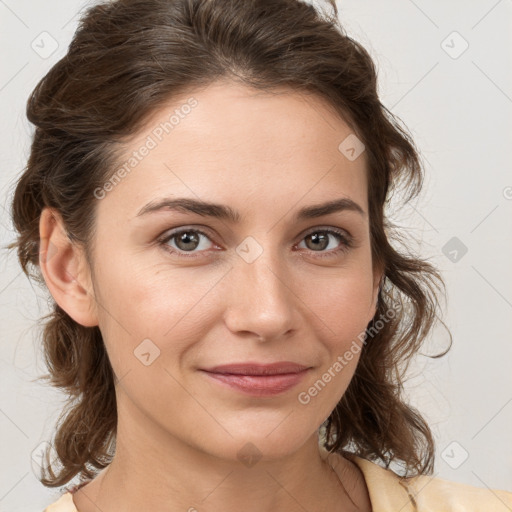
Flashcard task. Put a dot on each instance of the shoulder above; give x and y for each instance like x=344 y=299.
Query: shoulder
x=63 y=504
x=430 y=493
x=423 y=493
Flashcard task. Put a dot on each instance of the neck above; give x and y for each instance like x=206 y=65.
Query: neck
x=153 y=470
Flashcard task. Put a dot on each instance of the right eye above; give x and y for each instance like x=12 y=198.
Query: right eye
x=185 y=241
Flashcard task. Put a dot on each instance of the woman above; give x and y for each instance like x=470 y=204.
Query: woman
x=204 y=200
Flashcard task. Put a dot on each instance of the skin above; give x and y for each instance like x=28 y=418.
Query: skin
x=179 y=432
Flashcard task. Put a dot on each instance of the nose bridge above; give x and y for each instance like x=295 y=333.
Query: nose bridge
x=262 y=301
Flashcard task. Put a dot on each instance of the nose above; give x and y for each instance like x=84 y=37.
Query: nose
x=261 y=301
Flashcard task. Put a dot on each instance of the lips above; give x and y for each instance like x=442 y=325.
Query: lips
x=256 y=379
x=279 y=368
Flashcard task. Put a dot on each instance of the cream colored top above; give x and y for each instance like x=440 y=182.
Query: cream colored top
x=392 y=493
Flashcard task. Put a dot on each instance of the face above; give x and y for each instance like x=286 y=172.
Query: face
x=181 y=290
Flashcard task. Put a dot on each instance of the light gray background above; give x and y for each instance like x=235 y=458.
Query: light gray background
x=458 y=108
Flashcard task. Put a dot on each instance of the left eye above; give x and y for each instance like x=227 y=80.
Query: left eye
x=188 y=240
x=319 y=239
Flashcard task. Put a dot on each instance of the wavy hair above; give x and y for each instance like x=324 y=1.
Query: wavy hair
x=126 y=60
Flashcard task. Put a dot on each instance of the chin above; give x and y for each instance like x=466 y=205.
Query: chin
x=261 y=443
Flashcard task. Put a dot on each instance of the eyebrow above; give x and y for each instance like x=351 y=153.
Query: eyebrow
x=223 y=212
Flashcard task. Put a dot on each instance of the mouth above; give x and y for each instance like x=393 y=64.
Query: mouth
x=258 y=379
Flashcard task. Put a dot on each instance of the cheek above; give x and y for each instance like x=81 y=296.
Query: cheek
x=166 y=308
x=136 y=295
x=344 y=304
x=342 y=312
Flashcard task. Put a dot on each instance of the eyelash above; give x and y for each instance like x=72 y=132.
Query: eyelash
x=347 y=241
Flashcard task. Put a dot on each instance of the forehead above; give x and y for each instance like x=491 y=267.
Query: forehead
x=227 y=142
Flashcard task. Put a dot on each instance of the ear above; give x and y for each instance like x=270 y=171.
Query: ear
x=66 y=270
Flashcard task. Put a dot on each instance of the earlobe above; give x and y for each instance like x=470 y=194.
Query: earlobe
x=65 y=270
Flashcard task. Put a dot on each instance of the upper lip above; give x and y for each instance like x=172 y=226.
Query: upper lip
x=251 y=368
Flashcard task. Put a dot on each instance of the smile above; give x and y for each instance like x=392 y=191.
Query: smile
x=259 y=385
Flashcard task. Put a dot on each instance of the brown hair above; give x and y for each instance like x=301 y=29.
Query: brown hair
x=127 y=59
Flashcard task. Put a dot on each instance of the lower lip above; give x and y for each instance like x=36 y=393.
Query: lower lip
x=259 y=385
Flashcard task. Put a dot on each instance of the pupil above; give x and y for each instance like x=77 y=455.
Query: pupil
x=318 y=239
x=188 y=239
